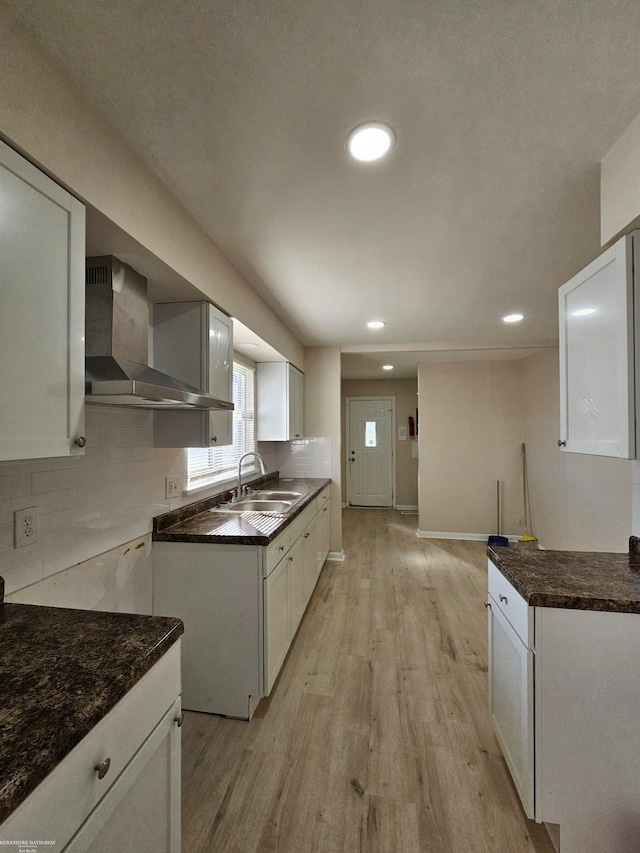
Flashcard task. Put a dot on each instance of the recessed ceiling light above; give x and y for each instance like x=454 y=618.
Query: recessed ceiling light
x=370 y=141
x=513 y=318
x=387 y=367
x=376 y=324
x=247 y=345
x=583 y=312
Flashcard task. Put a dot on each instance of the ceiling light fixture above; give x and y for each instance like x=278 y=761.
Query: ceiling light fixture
x=370 y=141
x=247 y=345
x=583 y=312
x=387 y=367
x=376 y=324
x=513 y=318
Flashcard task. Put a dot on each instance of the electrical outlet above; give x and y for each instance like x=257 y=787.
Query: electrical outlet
x=25 y=526
x=520 y=521
x=172 y=486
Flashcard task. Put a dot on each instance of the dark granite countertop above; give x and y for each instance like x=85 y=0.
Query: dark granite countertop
x=198 y=522
x=576 y=580
x=61 y=671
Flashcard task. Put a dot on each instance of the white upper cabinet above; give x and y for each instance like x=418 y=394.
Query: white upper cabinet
x=597 y=397
x=42 y=249
x=193 y=342
x=280 y=401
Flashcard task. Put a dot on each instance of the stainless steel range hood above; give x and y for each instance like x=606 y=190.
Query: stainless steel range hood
x=117 y=345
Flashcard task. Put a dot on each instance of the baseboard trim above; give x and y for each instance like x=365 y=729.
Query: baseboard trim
x=474 y=537
x=407 y=507
x=336 y=556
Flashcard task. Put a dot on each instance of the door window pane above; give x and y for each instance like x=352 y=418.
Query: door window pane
x=370 y=434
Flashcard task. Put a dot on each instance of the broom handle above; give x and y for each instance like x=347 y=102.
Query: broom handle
x=498 y=507
x=525 y=489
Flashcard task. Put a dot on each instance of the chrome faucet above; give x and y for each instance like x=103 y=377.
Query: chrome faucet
x=263 y=470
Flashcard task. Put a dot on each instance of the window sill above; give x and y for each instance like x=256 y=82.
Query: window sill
x=215 y=485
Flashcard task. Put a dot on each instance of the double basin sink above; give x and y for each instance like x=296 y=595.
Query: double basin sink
x=269 y=501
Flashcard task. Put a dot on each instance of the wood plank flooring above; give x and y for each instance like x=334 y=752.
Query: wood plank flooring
x=376 y=736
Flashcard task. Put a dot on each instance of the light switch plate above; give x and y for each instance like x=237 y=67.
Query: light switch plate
x=172 y=486
x=402 y=433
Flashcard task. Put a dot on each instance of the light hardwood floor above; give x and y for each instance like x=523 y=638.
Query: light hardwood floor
x=376 y=736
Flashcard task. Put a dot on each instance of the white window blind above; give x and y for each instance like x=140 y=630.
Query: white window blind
x=205 y=464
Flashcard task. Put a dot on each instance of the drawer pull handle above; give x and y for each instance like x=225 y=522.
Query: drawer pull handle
x=179 y=720
x=306 y=535
x=281 y=548
x=103 y=768
x=503 y=598
x=487 y=604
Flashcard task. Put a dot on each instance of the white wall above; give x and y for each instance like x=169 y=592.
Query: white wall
x=62 y=131
x=322 y=418
x=473 y=418
x=471 y=428
x=579 y=502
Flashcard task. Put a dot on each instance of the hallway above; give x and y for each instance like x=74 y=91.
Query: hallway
x=376 y=737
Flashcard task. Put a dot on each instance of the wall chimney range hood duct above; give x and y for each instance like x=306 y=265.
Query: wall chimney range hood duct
x=117 y=345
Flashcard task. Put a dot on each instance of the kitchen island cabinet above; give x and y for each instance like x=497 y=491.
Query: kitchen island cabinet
x=564 y=630
x=42 y=249
x=241 y=584
x=91 y=740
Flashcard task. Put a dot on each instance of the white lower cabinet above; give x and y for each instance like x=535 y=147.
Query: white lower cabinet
x=241 y=606
x=277 y=620
x=136 y=804
x=511 y=701
x=563 y=700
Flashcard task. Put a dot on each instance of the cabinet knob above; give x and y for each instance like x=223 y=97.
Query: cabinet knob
x=281 y=548
x=503 y=598
x=81 y=441
x=214 y=438
x=487 y=604
x=103 y=768
x=179 y=720
x=561 y=443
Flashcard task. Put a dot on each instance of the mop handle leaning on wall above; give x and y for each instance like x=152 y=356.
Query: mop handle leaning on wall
x=525 y=493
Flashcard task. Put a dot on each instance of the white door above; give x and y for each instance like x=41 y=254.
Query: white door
x=370 y=451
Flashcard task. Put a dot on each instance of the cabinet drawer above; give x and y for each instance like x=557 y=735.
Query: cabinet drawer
x=322 y=498
x=63 y=801
x=299 y=524
x=275 y=551
x=510 y=603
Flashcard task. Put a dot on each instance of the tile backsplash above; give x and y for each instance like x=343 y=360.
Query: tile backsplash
x=92 y=504
x=87 y=504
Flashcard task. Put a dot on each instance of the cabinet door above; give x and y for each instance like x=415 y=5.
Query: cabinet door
x=220 y=375
x=141 y=812
x=277 y=621
x=511 y=701
x=323 y=536
x=193 y=342
x=295 y=388
x=597 y=402
x=42 y=249
x=298 y=584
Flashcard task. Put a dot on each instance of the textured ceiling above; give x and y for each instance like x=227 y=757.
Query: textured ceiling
x=490 y=200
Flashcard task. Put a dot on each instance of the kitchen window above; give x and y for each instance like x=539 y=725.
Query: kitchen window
x=216 y=465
